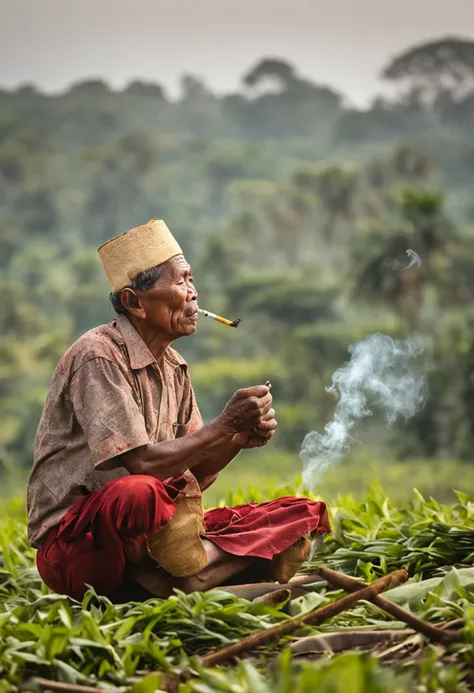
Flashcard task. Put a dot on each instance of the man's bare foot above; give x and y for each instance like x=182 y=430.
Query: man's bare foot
x=221 y=566
x=152 y=578
x=134 y=552
x=288 y=562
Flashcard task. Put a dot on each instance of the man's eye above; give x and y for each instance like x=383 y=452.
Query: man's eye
x=191 y=280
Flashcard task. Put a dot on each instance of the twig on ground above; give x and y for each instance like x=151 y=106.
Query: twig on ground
x=276 y=597
x=60 y=687
x=339 y=641
x=312 y=618
x=351 y=585
x=253 y=590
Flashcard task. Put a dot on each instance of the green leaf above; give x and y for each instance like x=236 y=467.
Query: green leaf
x=149 y=684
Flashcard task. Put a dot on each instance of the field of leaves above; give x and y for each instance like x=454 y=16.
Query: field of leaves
x=131 y=647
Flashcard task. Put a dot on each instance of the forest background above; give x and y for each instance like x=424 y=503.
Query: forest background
x=295 y=210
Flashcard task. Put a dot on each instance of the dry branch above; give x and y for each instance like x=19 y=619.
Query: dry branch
x=339 y=641
x=276 y=597
x=59 y=687
x=313 y=618
x=351 y=585
x=253 y=590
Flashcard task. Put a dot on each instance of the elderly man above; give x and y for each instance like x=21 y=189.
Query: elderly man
x=122 y=455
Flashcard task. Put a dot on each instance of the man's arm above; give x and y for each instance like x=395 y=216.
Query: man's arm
x=225 y=453
x=172 y=457
x=216 y=462
x=210 y=447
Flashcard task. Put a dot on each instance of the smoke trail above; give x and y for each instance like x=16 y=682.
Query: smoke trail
x=381 y=375
x=414 y=261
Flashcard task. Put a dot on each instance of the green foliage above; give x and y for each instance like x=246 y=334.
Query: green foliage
x=348 y=673
x=293 y=209
x=48 y=635
x=436 y=67
x=376 y=538
x=288 y=224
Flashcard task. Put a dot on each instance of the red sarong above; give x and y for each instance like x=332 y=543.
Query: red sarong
x=87 y=547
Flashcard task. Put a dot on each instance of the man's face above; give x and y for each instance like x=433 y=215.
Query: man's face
x=171 y=305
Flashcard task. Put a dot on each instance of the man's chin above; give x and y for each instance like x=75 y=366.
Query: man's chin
x=188 y=328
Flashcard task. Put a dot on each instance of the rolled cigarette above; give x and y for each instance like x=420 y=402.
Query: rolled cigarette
x=213 y=316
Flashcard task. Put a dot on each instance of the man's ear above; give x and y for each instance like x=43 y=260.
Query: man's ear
x=131 y=303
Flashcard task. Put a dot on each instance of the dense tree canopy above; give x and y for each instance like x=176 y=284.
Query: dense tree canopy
x=295 y=211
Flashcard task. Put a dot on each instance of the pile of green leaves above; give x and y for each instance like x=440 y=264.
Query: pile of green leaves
x=42 y=634
x=346 y=673
x=59 y=638
x=373 y=538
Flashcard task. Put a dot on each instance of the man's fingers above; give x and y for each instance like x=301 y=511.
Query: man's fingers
x=269 y=415
x=265 y=410
x=248 y=407
x=265 y=404
x=268 y=425
x=254 y=391
x=265 y=435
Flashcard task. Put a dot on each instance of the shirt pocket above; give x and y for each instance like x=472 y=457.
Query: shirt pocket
x=180 y=430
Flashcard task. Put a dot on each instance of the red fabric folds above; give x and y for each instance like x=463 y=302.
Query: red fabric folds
x=87 y=548
x=265 y=529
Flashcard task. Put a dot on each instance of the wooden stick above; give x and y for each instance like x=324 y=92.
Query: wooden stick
x=313 y=618
x=257 y=589
x=338 y=641
x=276 y=597
x=48 y=685
x=351 y=585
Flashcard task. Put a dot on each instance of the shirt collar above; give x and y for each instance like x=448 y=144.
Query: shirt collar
x=139 y=354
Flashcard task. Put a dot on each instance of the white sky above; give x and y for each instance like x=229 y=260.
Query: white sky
x=343 y=43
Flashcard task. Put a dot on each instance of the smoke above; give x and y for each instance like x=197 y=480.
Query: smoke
x=414 y=261
x=381 y=376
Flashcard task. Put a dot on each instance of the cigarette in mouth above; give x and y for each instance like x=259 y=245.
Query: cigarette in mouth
x=224 y=321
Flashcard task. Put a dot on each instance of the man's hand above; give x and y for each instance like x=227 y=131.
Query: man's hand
x=260 y=435
x=210 y=448
x=246 y=410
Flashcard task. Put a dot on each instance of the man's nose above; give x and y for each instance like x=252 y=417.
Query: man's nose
x=192 y=293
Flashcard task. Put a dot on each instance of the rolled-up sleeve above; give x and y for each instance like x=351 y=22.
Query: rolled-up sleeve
x=107 y=411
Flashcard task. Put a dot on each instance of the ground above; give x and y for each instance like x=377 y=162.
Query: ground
x=133 y=646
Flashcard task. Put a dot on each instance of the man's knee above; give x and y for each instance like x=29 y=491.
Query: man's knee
x=139 y=501
x=136 y=489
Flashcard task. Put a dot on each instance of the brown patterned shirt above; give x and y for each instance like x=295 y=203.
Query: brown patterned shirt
x=107 y=395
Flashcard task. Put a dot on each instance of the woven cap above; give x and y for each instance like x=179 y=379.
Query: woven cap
x=135 y=251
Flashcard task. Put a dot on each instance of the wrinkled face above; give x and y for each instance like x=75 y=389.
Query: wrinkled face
x=170 y=307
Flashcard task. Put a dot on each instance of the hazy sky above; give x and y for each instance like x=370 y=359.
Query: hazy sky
x=341 y=42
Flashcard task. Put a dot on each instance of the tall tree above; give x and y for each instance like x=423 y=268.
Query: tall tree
x=435 y=68
x=270 y=70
